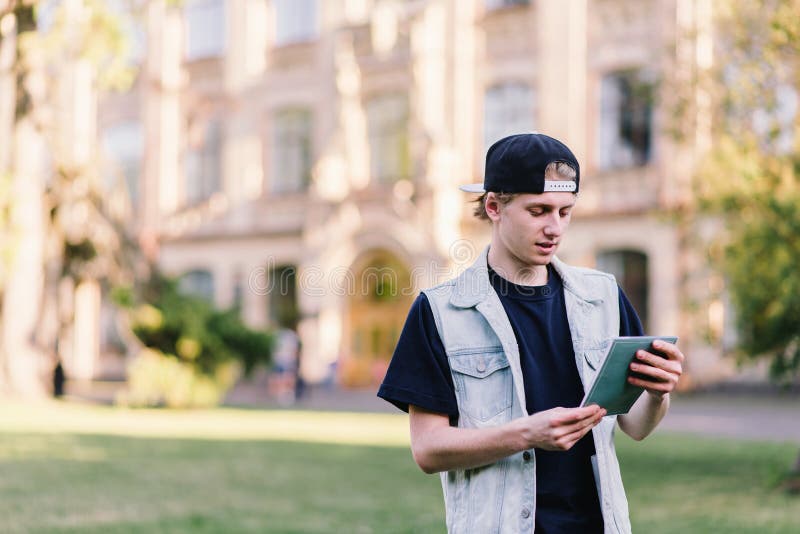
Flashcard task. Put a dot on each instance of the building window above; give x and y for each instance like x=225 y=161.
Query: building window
x=390 y=156
x=291 y=151
x=295 y=21
x=205 y=28
x=282 y=297
x=631 y=271
x=198 y=283
x=497 y=4
x=626 y=116
x=123 y=144
x=204 y=163
x=507 y=110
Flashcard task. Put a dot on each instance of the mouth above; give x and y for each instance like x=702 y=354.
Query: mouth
x=547 y=247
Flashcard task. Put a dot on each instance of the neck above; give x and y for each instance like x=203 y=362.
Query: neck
x=516 y=271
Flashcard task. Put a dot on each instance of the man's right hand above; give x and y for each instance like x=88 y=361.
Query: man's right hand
x=437 y=446
x=558 y=429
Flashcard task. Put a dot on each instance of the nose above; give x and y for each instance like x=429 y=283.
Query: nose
x=554 y=226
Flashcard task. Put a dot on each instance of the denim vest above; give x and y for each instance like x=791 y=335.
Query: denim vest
x=484 y=362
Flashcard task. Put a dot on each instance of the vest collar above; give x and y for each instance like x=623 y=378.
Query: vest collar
x=473 y=286
x=580 y=286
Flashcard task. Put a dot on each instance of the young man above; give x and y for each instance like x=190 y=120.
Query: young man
x=492 y=365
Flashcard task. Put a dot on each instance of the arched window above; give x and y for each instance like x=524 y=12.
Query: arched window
x=199 y=283
x=631 y=270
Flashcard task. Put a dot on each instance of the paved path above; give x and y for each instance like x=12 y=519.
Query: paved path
x=768 y=417
x=760 y=417
x=772 y=418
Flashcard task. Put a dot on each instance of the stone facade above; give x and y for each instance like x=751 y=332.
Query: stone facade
x=327 y=142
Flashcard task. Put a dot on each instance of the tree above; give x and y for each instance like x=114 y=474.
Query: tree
x=20 y=271
x=50 y=198
x=750 y=178
x=55 y=58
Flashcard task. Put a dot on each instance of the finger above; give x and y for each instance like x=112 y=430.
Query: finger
x=579 y=426
x=573 y=415
x=661 y=387
x=567 y=441
x=653 y=373
x=670 y=351
x=673 y=366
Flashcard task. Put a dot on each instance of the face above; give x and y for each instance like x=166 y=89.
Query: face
x=529 y=229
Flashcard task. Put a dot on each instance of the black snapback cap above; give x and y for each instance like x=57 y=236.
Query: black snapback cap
x=517 y=163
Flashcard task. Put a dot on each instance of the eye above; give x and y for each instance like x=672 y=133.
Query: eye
x=536 y=213
x=565 y=213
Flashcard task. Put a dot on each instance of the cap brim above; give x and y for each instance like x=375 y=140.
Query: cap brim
x=472 y=188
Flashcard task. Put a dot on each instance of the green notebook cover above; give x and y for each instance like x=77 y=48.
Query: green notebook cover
x=610 y=388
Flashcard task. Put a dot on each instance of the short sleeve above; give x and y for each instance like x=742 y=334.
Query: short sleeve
x=629 y=322
x=419 y=373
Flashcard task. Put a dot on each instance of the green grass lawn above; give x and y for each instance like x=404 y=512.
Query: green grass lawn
x=70 y=468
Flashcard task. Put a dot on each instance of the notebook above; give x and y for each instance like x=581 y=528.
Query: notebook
x=610 y=388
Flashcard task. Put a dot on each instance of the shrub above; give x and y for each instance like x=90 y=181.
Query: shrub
x=156 y=379
x=193 y=352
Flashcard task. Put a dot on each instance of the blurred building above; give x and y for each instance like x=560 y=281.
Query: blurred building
x=299 y=158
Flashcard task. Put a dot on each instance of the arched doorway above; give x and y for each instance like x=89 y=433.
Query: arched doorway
x=376 y=310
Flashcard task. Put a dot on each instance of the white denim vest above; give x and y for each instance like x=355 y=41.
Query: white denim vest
x=484 y=362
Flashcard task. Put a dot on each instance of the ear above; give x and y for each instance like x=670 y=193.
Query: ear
x=492 y=206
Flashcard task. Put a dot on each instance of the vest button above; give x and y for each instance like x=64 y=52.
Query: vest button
x=525 y=513
x=526 y=456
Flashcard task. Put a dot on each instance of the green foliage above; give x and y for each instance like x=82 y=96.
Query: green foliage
x=97 y=36
x=173 y=321
x=157 y=379
x=757 y=194
x=761 y=263
x=194 y=351
x=751 y=177
x=122 y=296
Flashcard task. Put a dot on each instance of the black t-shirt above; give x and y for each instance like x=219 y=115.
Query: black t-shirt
x=419 y=374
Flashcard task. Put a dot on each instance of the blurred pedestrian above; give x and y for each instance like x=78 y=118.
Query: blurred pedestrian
x=58 y=380
x=285 y=368
x=299 y=381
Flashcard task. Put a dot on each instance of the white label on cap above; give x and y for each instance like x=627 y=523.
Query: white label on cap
x=554 y=185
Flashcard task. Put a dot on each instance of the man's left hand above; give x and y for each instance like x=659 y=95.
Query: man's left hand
x=658 y=375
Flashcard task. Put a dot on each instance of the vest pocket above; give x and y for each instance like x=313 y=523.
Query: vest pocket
x=483 y=383
x=593 y=358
